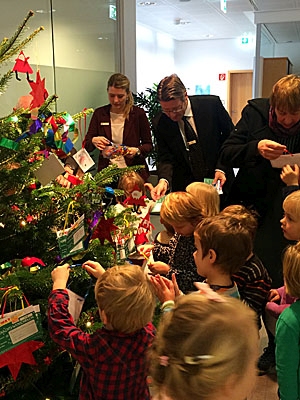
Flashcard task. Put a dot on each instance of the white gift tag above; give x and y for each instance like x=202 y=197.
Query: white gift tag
x=83 y=159
x=75 y=305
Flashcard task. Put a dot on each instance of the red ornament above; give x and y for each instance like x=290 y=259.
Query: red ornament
x=141 y=238
x=146 y=224
x=103 y=230
x=39 y=93
x=23 y=66
x=14 y=358
x=136 y=198
x=30 y=261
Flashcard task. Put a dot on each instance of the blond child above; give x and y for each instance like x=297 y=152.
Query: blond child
x=279 y=299
x=252 y=279
x=113 y=358
x=207 y=195
x=222 y=247
x=182 y=211
x=197 y=351
x=288 y=329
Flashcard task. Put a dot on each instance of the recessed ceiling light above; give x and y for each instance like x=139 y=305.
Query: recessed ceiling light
x=147 y=3
x=44 y=11
x=180 y=21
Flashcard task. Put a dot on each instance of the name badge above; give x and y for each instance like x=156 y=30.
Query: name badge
x=104 y=123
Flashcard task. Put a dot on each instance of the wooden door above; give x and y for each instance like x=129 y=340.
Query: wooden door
x=239 y=92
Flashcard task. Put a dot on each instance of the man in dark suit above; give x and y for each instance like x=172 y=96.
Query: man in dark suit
x=189 y=133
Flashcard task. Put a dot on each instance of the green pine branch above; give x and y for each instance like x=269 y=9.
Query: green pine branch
x=4 y=81
x=11 y=46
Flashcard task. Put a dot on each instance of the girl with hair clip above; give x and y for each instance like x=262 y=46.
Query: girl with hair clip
x=288 y=330
x=197 y=351
x=207 y=195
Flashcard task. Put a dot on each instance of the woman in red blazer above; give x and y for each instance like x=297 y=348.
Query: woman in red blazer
x=120 y=123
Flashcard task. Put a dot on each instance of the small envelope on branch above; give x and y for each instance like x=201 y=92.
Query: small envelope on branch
x=51 y=168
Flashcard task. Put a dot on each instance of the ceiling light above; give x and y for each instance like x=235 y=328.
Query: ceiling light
x=180 y=21
x=147 y=3
x=44 y=11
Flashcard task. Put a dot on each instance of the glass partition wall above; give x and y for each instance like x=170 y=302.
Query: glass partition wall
x=75 y=53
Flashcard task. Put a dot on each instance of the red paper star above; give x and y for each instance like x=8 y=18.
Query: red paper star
x=103 y=230
x=14 y=358
x=141 y=238
x=39 y=93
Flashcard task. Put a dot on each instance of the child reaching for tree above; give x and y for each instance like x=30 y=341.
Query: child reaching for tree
x=252 y=279
x=288 y=330
x=113 y=359
x=197 y=352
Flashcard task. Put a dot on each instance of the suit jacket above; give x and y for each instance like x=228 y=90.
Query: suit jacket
x=213 y=125
x=136 y=134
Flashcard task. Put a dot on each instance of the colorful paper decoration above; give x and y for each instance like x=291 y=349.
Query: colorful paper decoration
x=23 y=66
x=39 y=93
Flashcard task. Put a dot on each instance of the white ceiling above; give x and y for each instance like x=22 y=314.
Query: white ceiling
x=205 y=20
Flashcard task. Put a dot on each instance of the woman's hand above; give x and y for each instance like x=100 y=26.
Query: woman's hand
x=270 y=149
x=290 y=175
x=131 y=152
x=100 y=142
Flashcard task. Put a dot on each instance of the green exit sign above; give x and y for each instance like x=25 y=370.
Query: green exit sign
x=113 y=12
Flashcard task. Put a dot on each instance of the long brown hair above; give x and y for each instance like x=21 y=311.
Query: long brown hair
x=120 y=81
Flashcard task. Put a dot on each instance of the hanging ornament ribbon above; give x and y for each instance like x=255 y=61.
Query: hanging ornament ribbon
x=82 y=134
x=9 y=144
x=52 y=122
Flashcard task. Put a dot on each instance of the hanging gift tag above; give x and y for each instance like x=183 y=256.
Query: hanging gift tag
x=122 y=251
x=49 y=170
x=75 y=305
x=70 y=240
x=83 y=159
x=20 y=326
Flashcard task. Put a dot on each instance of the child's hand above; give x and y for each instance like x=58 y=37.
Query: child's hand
x=60 y=276
x=178 y=292
x=158 y=267
x=164 y=288
x=145 y=250
x=290 y=175
x=274 y=296
x=94 y=268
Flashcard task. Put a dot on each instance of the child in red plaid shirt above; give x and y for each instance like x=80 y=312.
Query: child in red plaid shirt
x=113 y=359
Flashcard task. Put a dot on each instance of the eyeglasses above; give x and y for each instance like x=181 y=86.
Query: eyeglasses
x=174 y=111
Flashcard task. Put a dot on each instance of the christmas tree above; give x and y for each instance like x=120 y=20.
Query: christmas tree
x=42 y=224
